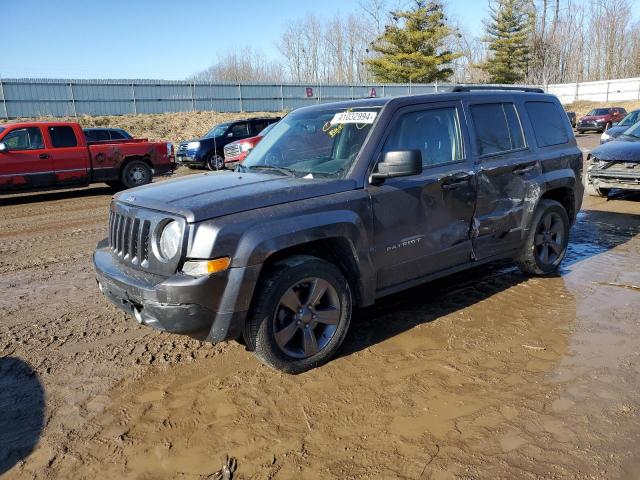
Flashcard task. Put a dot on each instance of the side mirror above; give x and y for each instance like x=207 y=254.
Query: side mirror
x=401 y=163
x=3 y=147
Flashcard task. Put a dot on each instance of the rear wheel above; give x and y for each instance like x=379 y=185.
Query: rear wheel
x=301 y=314
x=215 y=162
x=135 y=174
x=546 y=243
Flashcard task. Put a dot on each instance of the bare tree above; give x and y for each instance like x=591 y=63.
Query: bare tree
x=241 y=65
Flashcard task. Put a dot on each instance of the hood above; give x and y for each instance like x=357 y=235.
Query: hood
x=616 y=131
x=622 y=149
x=211 y=195
x=203 y=140
x=594 y=117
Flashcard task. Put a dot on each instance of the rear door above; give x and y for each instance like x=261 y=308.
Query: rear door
x=421 y=222
x=508 y=172
x=26 y=164
x=70 y=156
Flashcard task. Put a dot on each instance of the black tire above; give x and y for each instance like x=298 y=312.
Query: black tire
x=135 y=174
x=580 y=131
x=291 y=283
x=546 y=243
x=215 y=162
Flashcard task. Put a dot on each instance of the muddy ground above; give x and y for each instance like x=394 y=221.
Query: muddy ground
x=485 y=375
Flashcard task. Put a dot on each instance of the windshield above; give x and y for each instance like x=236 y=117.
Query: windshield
x=317 y=143
x=598 y=112
x=217 y=131
x=633 y=131
x=630 y=119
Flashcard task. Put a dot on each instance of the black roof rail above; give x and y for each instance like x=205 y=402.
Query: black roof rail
x=469 y=88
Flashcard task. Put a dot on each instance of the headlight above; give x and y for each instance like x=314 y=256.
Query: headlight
x=246 y=146
x=170 y=240
x=193 y=145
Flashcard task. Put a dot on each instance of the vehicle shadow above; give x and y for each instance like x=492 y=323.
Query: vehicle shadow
x=595 y=232
x=27 y=198
x=22 y=407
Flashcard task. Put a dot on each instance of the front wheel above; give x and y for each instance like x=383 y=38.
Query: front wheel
x=546 y=242
x=215 y=162
x=135 y=174
x=301 y=314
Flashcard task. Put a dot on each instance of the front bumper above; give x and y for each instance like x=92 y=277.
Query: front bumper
x=585 y=127
x=615 y=179
x=210 y=307
x=190 y=159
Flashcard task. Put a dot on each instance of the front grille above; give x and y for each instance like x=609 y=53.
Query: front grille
x=129 y=238
x=231 y=151
x=182 y=147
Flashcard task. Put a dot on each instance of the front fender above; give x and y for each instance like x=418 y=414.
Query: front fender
x=263 y=240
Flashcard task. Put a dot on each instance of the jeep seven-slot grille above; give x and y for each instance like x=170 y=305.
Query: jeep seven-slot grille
x=129 y=238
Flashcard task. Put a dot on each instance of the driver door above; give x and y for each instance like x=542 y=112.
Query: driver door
x=26 y=164
x=422 y=222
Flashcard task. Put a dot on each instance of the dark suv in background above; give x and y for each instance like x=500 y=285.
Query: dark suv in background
x=340 y=205
x=208 y=151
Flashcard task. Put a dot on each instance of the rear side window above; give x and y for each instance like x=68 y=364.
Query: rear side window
x=239 y=130
x=548 y=125
x=497 y=128
x=257 y=126
x=97 y=135
x=62 y=137
x=116 y=135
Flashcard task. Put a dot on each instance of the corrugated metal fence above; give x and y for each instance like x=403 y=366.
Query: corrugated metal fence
x=40 y=97
x=603 y=91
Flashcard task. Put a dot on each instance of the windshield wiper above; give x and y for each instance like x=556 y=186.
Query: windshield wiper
x=284 y=170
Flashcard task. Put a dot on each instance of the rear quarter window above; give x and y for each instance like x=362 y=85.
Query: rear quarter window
x=497 y=128
x=549 y=127
x=62 y=137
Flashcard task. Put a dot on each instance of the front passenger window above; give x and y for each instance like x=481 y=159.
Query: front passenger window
x=435 y=132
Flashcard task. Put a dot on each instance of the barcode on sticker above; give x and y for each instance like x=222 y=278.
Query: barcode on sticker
x=353 y=117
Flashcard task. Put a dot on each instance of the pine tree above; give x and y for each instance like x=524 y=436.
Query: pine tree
x=508 y=33
x=414 y=47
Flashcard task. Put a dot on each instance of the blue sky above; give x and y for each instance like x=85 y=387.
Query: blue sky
x=164 y=39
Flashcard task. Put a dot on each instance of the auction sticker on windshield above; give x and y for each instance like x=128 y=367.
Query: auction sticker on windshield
x=354 y=117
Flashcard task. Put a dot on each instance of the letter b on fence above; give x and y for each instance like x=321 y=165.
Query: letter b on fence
x=309 y=92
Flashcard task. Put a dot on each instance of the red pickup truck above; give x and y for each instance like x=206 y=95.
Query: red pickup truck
x=40 y=155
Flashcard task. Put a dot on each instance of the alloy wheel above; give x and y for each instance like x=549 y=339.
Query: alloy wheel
x=306 y=318
x=549 y=238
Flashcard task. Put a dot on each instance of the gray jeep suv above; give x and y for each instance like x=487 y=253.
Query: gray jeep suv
x=339 y=205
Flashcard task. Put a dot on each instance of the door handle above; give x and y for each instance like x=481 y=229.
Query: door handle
x=453 y=182
x=523 y=170
x=44 y=156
